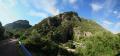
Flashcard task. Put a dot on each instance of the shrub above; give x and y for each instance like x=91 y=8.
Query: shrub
x=101 y=44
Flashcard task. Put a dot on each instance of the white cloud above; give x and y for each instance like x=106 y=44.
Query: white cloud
x=12 y=2
x=53 y=11
x=105 y=8
x=72 y=1
x=75 y=4
x=115 y=31
x=37 y=14
x=117 y=25
x=106 y=22
x=6 y=14
x=118 y=15
x=48 y=6
x=115 y=12
x=113 y=27
x=116 y=28
x=96 y=7
x=25 y=3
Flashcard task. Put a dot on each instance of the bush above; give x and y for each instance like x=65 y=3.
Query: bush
x=101 y=44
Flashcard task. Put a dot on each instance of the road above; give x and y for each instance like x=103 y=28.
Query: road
x=8 y=47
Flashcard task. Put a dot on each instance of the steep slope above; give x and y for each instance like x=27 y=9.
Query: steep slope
x=67 y=34
x=17 y=25
x=66 y=26
x=118 y=34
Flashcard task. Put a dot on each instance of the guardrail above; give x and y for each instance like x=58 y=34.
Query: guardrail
x=25 y=51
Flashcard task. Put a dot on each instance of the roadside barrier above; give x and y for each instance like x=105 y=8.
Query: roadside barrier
x=25 y=51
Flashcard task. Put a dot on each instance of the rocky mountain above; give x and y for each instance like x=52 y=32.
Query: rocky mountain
x=67 y=34
x=67 y=26
x=17 y=25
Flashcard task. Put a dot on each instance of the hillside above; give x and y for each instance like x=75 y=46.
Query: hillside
x=67 y=26
x=67 y=34
x=17 y=25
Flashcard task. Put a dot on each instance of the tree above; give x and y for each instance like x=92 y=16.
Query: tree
x=1 y=32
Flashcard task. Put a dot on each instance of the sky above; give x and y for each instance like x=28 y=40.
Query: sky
x=104 y=12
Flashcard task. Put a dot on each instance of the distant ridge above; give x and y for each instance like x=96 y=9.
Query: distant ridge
x=17 y=25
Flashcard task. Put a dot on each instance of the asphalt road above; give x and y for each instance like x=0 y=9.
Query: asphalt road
x=8 y=47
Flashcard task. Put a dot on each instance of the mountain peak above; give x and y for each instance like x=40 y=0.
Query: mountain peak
x=17 y=25
x=66 y=26
x=70 y=13
x=22 y=22
x=67 y=16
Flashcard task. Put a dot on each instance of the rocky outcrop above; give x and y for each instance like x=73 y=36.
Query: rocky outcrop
x=17 y=25
x=78 y=34
x=66 y=26
x=87 y=34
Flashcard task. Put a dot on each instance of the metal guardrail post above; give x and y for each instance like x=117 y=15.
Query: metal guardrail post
x=26 y=52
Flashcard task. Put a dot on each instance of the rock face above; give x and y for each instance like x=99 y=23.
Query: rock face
x=87 y=34
x=17 y=25
x=78 y=34
x=66 y=26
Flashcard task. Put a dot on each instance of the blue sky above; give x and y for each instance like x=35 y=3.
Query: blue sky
x=104 y=12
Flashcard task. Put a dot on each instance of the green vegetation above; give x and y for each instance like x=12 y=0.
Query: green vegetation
x=100 y=44
x=67 y=34
x=14 y=29
x=43 y=47
x=1 y=32
x=118 y=34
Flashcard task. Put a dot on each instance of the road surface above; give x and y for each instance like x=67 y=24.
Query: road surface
x=8 y=47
